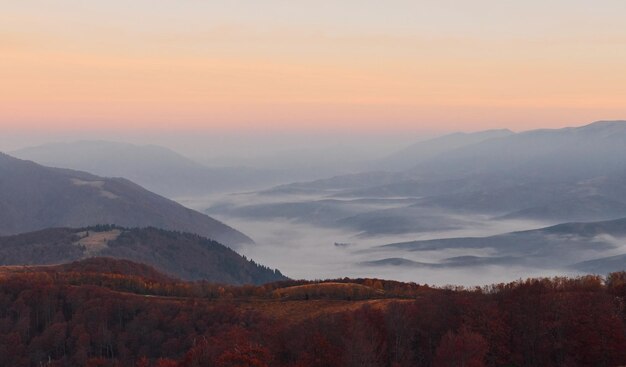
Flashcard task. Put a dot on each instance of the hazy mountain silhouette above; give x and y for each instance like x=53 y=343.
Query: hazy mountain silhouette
x=549 y=155
x=34 y=197
x=422 y=151
x=156 y=168
x=557 y=175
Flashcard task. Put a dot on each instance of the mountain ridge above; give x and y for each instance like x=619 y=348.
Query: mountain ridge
x=34 y=197
x=155 y=167
x=407 y=157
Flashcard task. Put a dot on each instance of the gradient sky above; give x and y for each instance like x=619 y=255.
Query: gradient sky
x=279 y=65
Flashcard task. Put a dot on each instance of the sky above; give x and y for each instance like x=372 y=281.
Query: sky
x=349 y=66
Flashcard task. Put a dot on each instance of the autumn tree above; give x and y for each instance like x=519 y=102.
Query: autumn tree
x=461 y=349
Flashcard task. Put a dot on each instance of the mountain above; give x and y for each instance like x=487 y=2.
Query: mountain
x=182 y=255
x=410 y=156
x=537 y=156
x=502 y=158
x=569 y=174
x=156 y=168
x=568 y=245
x=547 y=155
x=34 y=197
x=557 y=175
x=549 y=176
x=388 y=170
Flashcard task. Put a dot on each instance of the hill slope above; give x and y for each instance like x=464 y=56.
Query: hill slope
x=34 y=197
x=425 y=150
x=567 y=245
x=183 y=255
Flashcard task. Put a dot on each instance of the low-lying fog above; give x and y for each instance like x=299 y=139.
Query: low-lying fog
x=375 y=189
x=304 y=250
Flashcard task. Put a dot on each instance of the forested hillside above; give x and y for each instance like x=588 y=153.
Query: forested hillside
x=183 y=255
x=80 y=316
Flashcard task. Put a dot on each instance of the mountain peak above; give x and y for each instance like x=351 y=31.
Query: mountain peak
x=605 y=124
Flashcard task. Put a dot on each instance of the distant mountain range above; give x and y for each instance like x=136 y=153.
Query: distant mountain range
x=495 y=181
x=181 y=255
x=423 y=151
x=154 y=167
x=559 y=175
x=548 y=155
x=34 y=197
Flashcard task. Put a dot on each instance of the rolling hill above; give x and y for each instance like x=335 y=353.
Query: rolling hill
x=34 y=197
x=182 y=255
x=581 y=246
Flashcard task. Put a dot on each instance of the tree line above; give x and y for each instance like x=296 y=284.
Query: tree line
x=83 y=318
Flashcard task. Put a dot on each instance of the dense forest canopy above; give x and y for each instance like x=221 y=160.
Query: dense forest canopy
x=84 y=315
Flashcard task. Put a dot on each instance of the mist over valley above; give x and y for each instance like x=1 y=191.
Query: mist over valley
x=470 y=207
x=481 y=218
x=277 y=183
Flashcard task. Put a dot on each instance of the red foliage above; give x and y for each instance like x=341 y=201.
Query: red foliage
x=93 y=319
x=465 y=348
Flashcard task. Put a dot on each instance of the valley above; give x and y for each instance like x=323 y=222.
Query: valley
x=459 y=209
x=481 y=221
x=277 y=183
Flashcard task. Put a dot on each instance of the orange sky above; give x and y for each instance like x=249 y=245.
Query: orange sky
x=310 y=66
